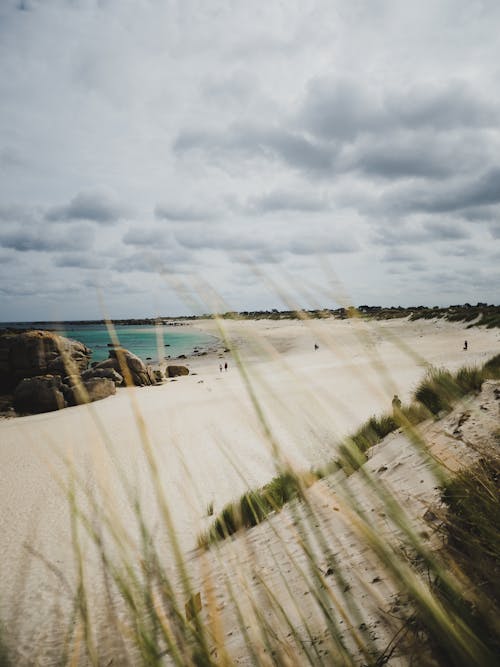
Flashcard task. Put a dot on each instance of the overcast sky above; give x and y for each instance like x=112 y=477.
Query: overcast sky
x=329 y=150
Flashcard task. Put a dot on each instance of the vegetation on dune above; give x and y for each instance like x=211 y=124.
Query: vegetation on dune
x=254 y=506
x=436 y=394
x=472 y=549
x=444 y=611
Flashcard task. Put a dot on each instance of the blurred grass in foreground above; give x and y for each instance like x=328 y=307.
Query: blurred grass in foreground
x=151 y=614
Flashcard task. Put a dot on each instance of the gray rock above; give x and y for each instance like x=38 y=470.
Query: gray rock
x=99 y=388
x=128 y=364
x=108 y=373
x=176 y=371
x=39 y=394
x=36 y=353
x=88 y=391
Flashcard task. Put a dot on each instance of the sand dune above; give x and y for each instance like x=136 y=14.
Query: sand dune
x=208 y=442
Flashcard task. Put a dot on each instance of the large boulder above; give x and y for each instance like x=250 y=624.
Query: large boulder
x=108 y=373
x=36 y=353
x=176 y=371
x=129 y=366
x=88 y=391
x=39 y=394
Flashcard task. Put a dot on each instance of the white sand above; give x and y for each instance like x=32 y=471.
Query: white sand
x=205 y=435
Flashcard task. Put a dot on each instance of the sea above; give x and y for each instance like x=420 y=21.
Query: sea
x=153 y=344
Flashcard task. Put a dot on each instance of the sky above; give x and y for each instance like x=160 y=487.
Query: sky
x=168 y=157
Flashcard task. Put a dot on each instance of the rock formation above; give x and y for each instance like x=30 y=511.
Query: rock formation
x=45 y=371
x=39 y=394
x=129 y=366
x=33 y=353
x=176 y=371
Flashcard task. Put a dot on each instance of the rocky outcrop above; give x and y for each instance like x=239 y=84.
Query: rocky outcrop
x=88 y=391
x=39 y=394
x=48 y=372
x=36 y=353
x=176 y=371
x=107 y=373
x=46 y=393
x=129 y=366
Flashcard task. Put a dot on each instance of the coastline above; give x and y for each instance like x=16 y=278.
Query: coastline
x=208 y=443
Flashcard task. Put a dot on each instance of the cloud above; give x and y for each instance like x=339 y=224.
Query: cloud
x=152 y=237
x=189 y=213
x=342 y=108
x=267 y=143
x=99 y=206
x=44 y=238
x=279 y=201
x=495 y=230
x=319 y=245
x=81 y=261
x=401 y=255
x=152 y=261
x=419 y=233
x=201 y=238
x=463 y=196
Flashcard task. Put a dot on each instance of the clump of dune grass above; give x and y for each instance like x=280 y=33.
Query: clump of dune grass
x=155 y=614
x=491 y=368
x=471 y=526
x=441 y=389
x=472 y=549
x=254 y=506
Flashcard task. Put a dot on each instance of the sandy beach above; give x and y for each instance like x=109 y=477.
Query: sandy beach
x=206 y=438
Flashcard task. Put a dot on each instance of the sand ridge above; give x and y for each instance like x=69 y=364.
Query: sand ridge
x=206 y=437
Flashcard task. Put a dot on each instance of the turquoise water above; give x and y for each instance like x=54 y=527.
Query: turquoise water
x=147 y=342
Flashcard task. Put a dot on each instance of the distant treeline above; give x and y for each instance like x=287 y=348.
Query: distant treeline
x=482 y=314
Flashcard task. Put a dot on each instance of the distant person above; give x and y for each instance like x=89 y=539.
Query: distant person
x=316 y=346
x=220 y=368
x=396 y=405
x=465 y=344
x=225 y=366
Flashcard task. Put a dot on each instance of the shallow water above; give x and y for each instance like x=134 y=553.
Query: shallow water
x=154 y=343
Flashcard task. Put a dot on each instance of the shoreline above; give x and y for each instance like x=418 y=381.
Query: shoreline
x=208 y=441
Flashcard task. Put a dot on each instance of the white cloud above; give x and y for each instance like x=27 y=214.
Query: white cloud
x=201 y=131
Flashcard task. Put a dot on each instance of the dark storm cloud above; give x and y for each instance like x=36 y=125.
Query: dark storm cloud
x=98 y=206
x=46 y=239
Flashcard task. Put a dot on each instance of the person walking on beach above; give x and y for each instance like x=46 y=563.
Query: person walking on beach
x=225 y=366
x=220 y=368
x=465 y=344
x=396 y=405
x=316 y=346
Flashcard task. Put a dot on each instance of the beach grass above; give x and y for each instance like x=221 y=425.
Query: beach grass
x=150 y=613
